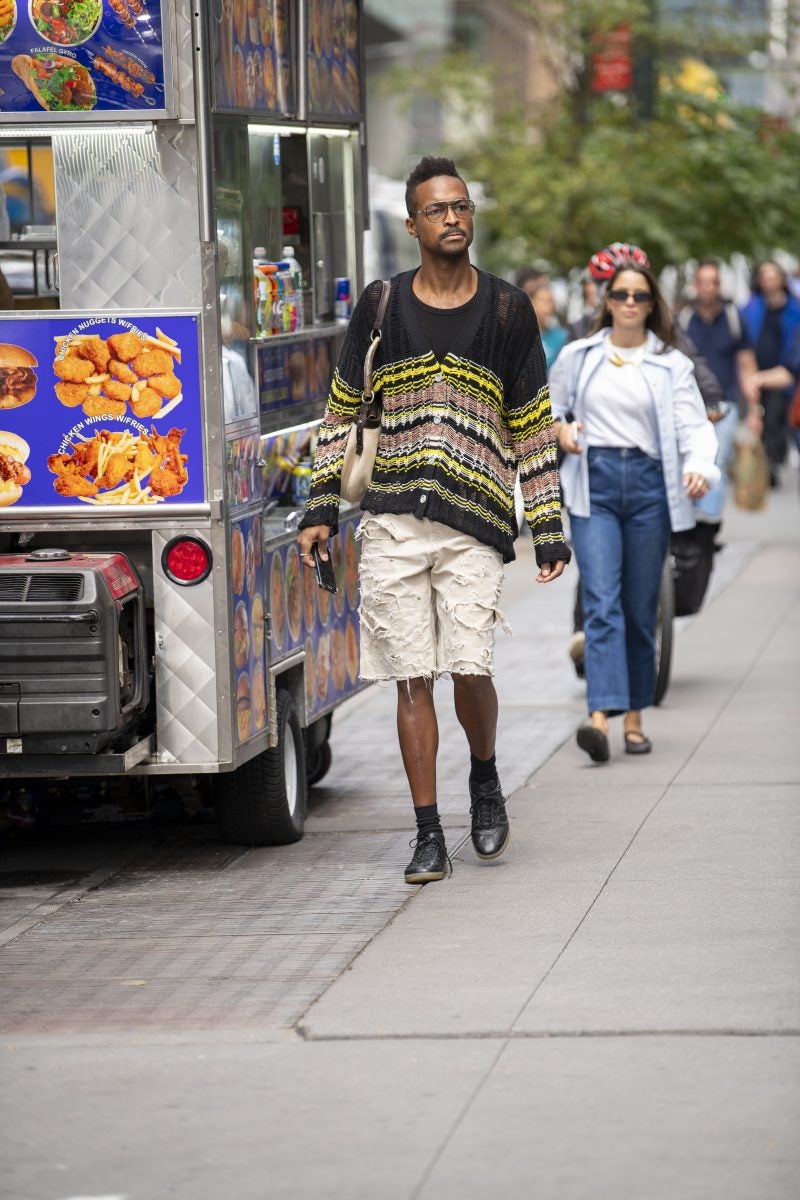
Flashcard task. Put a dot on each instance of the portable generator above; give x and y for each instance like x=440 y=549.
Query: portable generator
x=73 y=656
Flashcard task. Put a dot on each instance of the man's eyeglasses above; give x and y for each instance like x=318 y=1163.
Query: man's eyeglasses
x=437 y=212
x=637 y=297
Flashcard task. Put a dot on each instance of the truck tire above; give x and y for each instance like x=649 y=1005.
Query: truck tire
x=319 y=763
x=263 y=802
x=666 y=615
x=318 y=749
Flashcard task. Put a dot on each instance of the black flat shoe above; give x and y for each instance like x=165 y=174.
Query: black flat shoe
x=634 y=746
x=430 y=860
x=594 y=742
x=490 y=828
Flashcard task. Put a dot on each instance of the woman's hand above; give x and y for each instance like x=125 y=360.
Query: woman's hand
x=567 y=436
x=696 y=486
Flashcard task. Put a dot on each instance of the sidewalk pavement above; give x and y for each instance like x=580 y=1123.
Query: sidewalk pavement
x=609 y=1010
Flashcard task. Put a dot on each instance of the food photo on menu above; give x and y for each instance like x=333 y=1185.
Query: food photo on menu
x=66 y=56
x=102 y=412
x=247 y=588
x=253 y=69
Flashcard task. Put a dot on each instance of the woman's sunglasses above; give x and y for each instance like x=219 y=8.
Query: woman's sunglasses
x=637 y=297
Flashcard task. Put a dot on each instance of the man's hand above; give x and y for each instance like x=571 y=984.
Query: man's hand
x=751 y=387
x=550 y=571
x=306 y=539
x=696 y=486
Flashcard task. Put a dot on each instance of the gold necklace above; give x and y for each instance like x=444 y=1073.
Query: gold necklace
x=616 y=359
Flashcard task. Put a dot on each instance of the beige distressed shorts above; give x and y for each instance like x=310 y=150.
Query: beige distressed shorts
x=429 y=599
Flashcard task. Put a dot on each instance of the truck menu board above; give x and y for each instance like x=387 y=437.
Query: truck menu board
x=83 y=58
x=100 y=412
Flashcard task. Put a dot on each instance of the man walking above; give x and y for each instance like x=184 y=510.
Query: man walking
x=717 y=331
x=461 y=373
x=772 y=319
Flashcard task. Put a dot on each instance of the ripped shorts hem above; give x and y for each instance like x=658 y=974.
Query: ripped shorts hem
x=445 y=673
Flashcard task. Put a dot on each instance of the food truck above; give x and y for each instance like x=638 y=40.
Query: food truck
x=159 y=400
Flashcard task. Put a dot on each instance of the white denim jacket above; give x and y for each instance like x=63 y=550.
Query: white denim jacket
x=687 y=442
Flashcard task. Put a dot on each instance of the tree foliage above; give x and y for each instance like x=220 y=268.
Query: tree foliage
x=700 y=176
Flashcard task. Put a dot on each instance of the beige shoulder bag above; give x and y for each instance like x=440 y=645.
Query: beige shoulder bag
x=362 y=440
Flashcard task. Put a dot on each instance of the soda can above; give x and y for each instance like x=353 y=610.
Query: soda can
x=341 y=300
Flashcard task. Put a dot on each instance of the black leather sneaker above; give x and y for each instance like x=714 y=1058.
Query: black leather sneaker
x=430 y=861
x=490 y=829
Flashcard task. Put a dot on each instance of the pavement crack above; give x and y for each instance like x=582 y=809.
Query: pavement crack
x=455 y=1125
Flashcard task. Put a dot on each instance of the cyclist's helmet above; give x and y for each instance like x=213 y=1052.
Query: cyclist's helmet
x=605 y=262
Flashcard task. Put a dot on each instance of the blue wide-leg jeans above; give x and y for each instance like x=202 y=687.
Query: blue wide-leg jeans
x=620 y=550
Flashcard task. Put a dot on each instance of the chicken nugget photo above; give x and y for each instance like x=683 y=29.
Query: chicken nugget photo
x=153 y=362
x=73 y=369
x=168 y=386
x=96 y=351
x=72 y=394
x=124 y=346
x=147 y=403
x=115 y=390
x=101 y=406
x=122 y=372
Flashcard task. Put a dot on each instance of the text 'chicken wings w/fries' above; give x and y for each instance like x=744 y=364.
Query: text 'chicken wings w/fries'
x=122 y=467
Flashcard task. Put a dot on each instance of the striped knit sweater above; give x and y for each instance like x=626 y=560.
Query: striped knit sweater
x=454 y=432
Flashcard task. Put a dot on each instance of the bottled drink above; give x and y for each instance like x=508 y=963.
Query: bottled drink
x=293 y=265
x=289 y=297
x=287 y=255
x=259 y=260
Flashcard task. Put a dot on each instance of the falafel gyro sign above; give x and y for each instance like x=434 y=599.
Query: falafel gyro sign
x=100 y=412
x=83 y=59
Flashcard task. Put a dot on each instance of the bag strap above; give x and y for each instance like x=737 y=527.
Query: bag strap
x=369 y=412
x=367 y=394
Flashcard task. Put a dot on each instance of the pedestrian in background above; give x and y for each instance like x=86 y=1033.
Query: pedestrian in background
x=716 y=331
x=462 y=376
x=772 y=319
x=638 y=450
x=784 y=377
x=583 y=325
x=551 y=331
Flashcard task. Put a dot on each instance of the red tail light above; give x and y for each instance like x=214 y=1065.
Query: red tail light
x=186 y=560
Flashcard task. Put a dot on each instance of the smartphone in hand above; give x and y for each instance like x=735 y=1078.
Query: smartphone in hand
x=324 y=570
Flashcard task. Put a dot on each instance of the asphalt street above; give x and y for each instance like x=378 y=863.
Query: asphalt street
x=610 y=1009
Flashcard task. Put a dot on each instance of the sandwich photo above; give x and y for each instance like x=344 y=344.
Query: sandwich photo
x=60 y=84
x=17 y=376
x=14 y=474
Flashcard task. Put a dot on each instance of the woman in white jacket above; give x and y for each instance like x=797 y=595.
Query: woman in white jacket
x=638 y=449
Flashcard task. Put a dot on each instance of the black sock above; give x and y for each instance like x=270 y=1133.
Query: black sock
x=482 y=770
x=428 y=819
